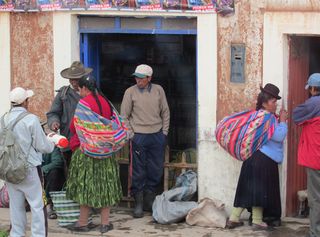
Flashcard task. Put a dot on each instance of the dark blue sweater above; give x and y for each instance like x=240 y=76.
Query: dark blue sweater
x=308 y=110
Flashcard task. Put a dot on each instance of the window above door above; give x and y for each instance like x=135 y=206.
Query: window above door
x=132 y=25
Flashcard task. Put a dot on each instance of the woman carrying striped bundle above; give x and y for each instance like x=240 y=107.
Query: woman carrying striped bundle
x=258 y=185
x=92 y=182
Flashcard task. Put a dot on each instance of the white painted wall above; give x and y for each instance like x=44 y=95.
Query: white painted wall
x=5 y=63
x=65 y=44
x=218 y=172
x=277 y=26
x=5 y=66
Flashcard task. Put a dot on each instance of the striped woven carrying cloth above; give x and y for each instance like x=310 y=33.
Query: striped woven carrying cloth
x=99 y=137
x=244 y=133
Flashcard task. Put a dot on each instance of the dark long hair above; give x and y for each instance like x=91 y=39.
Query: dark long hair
x=263 y=98
x=90 y=83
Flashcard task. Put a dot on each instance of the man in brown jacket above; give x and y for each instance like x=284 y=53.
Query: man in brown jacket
x=145 y=107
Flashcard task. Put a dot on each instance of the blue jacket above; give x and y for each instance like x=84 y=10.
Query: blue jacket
x=274 y=147
x=308 y=110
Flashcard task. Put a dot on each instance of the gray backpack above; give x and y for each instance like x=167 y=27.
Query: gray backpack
x=13 y=161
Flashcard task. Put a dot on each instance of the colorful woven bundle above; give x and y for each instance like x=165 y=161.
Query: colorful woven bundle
x=99 y=137
x=4 y=196
x=244 y=133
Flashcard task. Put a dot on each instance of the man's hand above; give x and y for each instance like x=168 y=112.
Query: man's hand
x=130 y=134
x=55 y=126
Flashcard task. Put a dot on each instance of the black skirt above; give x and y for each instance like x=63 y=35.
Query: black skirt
x=258 y=185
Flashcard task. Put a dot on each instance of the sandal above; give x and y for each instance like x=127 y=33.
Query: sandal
x=76 y=228
x=106 y=228
x=234 y=224
x=261 y=226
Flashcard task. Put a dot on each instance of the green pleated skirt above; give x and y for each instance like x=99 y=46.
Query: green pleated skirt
x=93 y=182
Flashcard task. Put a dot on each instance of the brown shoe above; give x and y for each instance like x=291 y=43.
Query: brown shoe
x=234 y=224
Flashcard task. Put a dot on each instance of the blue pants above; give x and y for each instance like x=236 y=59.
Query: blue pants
x=147 y=161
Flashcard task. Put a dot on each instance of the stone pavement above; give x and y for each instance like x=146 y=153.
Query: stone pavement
x=125 y=225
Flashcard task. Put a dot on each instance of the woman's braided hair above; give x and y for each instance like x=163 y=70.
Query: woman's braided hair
x=90 y=83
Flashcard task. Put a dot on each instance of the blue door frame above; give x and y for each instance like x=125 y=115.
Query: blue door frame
x=89 y=47
x=90 y=56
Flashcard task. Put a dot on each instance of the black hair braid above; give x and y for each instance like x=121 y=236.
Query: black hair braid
x=90 y=83
x=103 y=95
x=94 y=93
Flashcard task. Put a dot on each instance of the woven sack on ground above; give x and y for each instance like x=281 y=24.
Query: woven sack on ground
x=209 y=213
x=68 y=211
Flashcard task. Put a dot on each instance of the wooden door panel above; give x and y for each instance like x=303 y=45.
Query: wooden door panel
x=298 y=74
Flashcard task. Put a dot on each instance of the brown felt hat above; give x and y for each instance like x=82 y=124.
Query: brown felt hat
x=75 y=71
x=271 y=90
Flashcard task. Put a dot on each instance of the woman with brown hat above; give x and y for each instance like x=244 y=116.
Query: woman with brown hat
x=258 y=185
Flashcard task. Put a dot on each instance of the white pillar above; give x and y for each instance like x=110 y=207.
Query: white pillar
x=217 y=173
x=5 y=62
x=65 y=44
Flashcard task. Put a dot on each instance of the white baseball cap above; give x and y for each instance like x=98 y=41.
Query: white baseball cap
x=18 y=95
x=143 y=71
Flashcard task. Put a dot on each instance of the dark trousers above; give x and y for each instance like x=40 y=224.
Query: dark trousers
x=147 y=161
x=67 y=160
x=314 y=201
x=54 y=181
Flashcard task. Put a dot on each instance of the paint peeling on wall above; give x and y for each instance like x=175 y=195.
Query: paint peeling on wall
x=32 y=57
x=246 y=27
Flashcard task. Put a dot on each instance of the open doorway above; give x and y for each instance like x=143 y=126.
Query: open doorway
x=173 y=59
x=304 y=58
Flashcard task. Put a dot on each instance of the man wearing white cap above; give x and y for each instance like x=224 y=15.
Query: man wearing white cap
x=307 y=115
x=145 y=107
x=33 y=142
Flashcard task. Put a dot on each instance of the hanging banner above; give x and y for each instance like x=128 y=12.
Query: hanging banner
x=224 y=7
x=24 y=5
x=172 y=4
x=49 y=5
x=148 y=4
x=98 y=4
x=201 y=5
x=6 y=5
x=120 y=4
x=73 y=4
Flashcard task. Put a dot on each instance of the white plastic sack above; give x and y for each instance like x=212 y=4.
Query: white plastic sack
x=172 y=206
x=209 y=213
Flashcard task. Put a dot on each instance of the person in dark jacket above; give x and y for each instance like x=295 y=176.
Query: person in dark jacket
x=52 y=168
x=64 y=104
x=307 y=115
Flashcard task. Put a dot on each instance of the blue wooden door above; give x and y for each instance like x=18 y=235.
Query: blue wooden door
x=90 y=53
